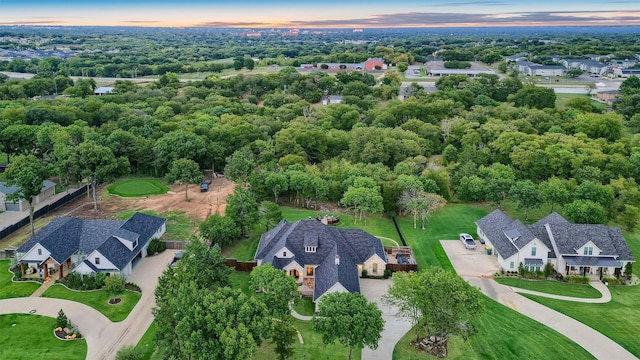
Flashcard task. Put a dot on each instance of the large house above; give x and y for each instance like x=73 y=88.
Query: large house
x=370 y=64
x=533 y=69
x=323 y=259
x=572 y=249
x=89 y=246
x=48 y=190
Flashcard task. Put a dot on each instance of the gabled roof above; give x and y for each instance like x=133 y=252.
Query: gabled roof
x=5 y=189
x=65 y=236
x=493 y=226
x=347 y=247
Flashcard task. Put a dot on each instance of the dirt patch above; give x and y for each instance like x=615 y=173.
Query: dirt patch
x=199 y=206
x=114 y=301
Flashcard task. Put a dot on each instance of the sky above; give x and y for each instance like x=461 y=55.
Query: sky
x=320 y=14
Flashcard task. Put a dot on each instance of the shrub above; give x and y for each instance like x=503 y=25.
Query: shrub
x=577 y=279
x=155 y=246
x=387 y=273
x=114 y=285
x=78 y=281
x=365 y=273
x=613 y=281
x=130 y=353
x=62 y=321
x=628 y=270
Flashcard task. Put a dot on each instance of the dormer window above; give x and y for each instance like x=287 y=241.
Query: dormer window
x=588 y=250
x=135 y=243
x=310 y=249
x=284 y=254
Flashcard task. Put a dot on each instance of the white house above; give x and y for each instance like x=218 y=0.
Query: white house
x=89 y=246
x=572 y=249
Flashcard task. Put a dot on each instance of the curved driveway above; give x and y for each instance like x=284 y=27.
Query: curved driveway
x=104 y=338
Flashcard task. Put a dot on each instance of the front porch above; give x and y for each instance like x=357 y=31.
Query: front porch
x=593 y=267
x=47 y=269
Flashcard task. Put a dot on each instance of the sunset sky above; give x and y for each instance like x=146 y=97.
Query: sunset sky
x=320 y=14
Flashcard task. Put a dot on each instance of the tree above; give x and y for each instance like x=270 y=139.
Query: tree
x=176 y=145
x=350 y=319
x=186 y=171
x=94 y=163
x=27 y=173
x=62 y=320
x=574 y=72
x=362 y=200
x=270 y=212
x=527 y=194
x=534 y=97
x=220 y=230
x=114 y=285
x=554 y=191
x=439 y=302
x=130 y=352
x=242 y=208
x=249 y=63
x=203 y=266
x=284 y=337
x=630 y=86
x=275 y=288
x=420 y=202
x=277 y=182
x=585 y=212
x=239 y=165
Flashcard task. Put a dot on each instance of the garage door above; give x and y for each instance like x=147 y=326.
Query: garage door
x=12 y=206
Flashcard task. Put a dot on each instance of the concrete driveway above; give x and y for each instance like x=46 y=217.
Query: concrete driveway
x=467 y=262
x=394 y=327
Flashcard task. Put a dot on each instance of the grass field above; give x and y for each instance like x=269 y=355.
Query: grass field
x=305 y=306
x=502 y=334
x=147 y=342
x=98 y=300
x=9 y=289
x=552 y=287
x=180 y=227
x=137 y=187
x=31 y=337
x=561 y=101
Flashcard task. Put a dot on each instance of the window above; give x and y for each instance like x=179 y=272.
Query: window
x=588 y=250
x=375 y=268
x=533 y=251
x=97 y=261
x=39 y=251
x=511 y=265
x=309 y=270
x=284 y=253
x=135 y=243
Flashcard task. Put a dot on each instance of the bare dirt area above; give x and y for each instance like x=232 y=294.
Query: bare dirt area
x=199 y=206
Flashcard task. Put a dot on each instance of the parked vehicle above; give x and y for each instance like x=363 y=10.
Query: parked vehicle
x=468 y=241
x=204 y=187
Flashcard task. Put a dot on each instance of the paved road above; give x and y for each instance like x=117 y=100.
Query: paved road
x=594 y=342
x=104 y=338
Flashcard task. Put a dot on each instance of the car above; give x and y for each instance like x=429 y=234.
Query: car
x=468 y=241
x=204 y=187
x=176 y=258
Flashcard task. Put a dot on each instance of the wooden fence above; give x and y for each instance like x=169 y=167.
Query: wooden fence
x=402 y=267
x=175 y=245
x=245 y=266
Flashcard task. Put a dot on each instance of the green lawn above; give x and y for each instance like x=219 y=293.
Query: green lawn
x=561 y=101
x=502 y=334
x=240 y=280
x=180 y=227
x=137 y=187
x=97 y=300
x=31 y=337
x=552 y=287
x=305 y=306
x=147 y=343
x=3 y=158
x=9 y=289
x=618 y=319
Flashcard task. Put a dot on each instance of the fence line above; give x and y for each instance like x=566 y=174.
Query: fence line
x=245 y=266
x=43 y=211
x=175 y=245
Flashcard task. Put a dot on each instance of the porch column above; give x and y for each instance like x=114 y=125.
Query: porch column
x=22 y=269
x=60 y=273
x=45 y=271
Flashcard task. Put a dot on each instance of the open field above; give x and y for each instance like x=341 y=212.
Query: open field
x=9 y=289
x=31 y=337
x=98 y=300
x=137 y=187
x=552 y=287
x=561 y=101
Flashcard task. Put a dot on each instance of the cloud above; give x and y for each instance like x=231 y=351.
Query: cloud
x=473 y=3
x=142 y=21
x=38 y=22
x=428 y=19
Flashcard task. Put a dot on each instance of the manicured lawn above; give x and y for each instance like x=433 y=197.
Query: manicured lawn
x=180 y=227
x=137 y=187
x=305 y=306
x=31 y=337
x=618 y=319
x=561 y=101
x=147 y=343
x=502 y=334
x=240 y=280
x=313 y=347
x=446 y=223
x=552 y=287
x=97 y=300
x=9 y=289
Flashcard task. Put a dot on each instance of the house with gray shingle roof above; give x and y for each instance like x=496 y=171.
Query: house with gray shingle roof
x=48 y=190
x=323 y=259
x=572 y=249
x=89 y=246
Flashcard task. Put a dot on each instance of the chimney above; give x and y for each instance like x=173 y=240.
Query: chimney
x=337 y=260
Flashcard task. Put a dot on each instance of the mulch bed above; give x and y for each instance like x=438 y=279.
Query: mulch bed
x=61 y=334
x=114 y=301
x=132 y=287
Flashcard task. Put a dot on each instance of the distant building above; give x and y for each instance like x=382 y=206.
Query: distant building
x=590 y=66
x=331 y=99
x=103 y=90
x=372 y=64
x=533 y=69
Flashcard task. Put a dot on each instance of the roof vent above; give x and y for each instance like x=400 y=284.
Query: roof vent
x=337 y=260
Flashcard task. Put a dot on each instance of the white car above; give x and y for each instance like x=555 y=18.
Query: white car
x=468 y=241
